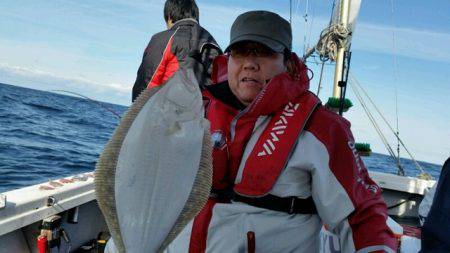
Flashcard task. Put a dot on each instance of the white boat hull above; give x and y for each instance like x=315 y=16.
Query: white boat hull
x=27 y=207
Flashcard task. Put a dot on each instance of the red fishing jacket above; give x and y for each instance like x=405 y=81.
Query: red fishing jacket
x=286 y=144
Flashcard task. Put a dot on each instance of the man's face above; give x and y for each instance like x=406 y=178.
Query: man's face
x=250 y=66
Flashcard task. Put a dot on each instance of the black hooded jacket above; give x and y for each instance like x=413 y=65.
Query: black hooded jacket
x=185 y=45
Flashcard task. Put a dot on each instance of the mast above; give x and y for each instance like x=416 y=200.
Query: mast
x=339 y=70
x=334 y=45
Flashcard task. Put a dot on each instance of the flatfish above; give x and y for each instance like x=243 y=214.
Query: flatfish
x=155 y=173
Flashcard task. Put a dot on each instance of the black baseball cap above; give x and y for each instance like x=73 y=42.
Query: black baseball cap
x=265 y=27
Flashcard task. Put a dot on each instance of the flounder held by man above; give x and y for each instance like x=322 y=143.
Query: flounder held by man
x=155 y=173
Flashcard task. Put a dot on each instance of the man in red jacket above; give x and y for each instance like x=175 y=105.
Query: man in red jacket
x=283 y=164
x=184 y=44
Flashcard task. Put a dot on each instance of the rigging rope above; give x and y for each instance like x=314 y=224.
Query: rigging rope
x=331 y=39
x=395 y=81
x=92 y=100
x=296 y=8
x=320 y=79
x=372 y=120
x=385 y=121
x=290 y=12
x=310 y=51
x=311 y=26
x=305 y=17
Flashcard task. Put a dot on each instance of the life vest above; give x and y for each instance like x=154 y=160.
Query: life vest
x=275 y=146
x=228 y=149
x=220 y=116
x=290 y=105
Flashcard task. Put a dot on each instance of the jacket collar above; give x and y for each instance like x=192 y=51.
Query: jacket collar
x=222 y=92
x=280 y=90
x=184 y=21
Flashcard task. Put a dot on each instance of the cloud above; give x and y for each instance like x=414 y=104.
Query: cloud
x=370 y=37
x=409 y=42
x=116 y=93
x=65 y=62
x=217 y=19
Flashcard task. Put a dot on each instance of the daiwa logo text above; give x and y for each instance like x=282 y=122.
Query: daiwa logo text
x=269 y=145
x=371 y=187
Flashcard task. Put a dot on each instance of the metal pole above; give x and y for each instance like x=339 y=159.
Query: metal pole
x=344 y=12
x=343 y=83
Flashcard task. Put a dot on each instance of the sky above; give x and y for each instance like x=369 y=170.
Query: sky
x=400 y=49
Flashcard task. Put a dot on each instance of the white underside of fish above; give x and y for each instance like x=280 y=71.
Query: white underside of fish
x=158 y=163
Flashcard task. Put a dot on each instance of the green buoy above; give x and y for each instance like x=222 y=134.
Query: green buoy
x=334 y=103
x=363 y=149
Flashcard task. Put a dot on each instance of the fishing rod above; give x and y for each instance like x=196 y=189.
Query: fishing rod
x=92 y=100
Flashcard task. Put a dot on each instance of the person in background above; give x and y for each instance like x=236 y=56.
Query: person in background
x=436 y=229
x=184 y=44
x=283 y=164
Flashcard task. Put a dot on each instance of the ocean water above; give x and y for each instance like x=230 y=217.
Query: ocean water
x=45 y=136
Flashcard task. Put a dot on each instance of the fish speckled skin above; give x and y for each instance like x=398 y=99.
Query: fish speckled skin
x=160 y=167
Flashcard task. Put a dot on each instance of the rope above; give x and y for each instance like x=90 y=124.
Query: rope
x=332 y=11
x=311 y=24
x=305 y=17
x=320 y=79
x=331 y=39
x=313 y=60
x=372 y=120
x=410 y=198
x=92 y=100
x=395 y=85
x=387 y=123
x=296 y=8
x=307 y=52
x=290 y=12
